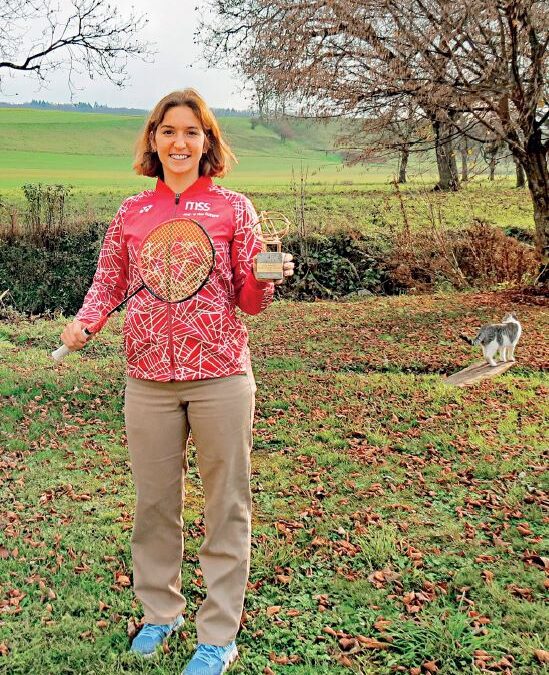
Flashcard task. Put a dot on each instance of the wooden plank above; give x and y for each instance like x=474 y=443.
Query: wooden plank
x=480 y=370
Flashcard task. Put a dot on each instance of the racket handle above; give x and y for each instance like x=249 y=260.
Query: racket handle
x=59 y=354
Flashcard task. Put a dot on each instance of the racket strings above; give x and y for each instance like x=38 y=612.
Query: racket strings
x=176 y=259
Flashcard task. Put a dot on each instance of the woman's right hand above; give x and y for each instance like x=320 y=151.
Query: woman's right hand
x=73 y=335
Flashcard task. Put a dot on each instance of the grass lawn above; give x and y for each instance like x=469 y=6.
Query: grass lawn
x=398 y=523
x=367 y=207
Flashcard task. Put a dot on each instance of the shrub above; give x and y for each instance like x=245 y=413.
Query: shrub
x=487 y=256
x=331 y=266
x=51 y=274
x=46 y=205
x=479 y=256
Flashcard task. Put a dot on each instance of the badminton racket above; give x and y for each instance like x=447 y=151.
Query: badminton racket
x=174 y=262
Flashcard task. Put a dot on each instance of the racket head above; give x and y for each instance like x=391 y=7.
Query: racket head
x=176 y=259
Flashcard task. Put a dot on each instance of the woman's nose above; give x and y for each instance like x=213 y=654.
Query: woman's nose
x=179 y=141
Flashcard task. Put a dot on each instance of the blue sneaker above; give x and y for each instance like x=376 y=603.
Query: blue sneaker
x=211 y=660
x=152 y=635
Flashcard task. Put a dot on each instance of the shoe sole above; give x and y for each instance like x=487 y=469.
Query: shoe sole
x=233 y=656
x=151 y=655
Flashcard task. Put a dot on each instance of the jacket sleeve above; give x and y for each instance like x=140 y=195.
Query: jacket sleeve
x=252 y=296
x=111 y=277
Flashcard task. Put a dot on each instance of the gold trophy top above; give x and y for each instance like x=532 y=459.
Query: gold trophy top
x=270 y=227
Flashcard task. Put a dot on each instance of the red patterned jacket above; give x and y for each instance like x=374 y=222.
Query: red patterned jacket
x=201 y=337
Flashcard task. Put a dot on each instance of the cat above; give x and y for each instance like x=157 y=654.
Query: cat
x=502 y=337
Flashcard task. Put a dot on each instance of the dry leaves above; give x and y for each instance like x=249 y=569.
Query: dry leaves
x=542 y=655
x=283 y=659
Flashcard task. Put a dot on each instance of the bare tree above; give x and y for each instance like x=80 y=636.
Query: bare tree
x=396 y=131
x=487 y=59
x=492 y=151
x=87 y=37
x=464 y=149
x=521 y=178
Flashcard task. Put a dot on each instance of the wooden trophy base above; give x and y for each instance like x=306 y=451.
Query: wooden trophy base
x=480 y=370
x=269 y=266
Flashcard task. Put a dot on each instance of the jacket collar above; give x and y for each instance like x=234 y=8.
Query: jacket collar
x=203 y=183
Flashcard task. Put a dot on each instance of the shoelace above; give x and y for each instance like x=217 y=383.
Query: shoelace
x=210 y=654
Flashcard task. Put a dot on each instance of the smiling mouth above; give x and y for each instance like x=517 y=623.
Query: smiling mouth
x=176 y=156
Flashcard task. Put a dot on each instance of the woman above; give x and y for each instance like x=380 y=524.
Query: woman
x=188 y=370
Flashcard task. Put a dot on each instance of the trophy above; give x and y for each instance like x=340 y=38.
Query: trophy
x=271 y=226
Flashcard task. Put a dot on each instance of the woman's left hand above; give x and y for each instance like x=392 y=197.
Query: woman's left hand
x=287 y=268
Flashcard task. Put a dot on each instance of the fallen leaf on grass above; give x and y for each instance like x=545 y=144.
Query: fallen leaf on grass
x=283 y=578
x=323 y=601
x=345 y=660
x=525 y=593
x=482 y=655
x=4 y=649
x=488 y=576
x=542 y=655
x=524 y=529
x=380 y=577
x=283 y=659
x=132 y=627
x=372 y=643
x=430 y=667
x=274 y=609
x=382 y=624
x=537 y=561
x=123 y=580
x=349 y=645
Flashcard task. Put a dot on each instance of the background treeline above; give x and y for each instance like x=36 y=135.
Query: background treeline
x=82 y=106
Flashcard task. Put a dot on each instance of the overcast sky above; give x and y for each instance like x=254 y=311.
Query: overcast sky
x=171 y=26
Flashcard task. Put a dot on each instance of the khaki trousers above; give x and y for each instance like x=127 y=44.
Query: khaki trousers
x=159 y=416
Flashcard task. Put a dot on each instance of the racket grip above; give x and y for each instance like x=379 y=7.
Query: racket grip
x=59 y=354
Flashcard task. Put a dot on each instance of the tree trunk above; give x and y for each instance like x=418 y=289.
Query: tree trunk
x=492 y=166
x=537 y=174
x=521 y=178
x=464 y=149
x=404 y=156
x=446 y=158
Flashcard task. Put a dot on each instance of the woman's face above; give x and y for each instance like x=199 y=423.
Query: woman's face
x=180 y=142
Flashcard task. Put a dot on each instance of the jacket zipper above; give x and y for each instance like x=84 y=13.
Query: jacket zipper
x=170 y=337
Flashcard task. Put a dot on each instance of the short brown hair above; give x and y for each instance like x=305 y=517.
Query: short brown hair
x=218 y=157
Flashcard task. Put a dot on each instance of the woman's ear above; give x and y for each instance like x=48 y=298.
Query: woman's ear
x=151 y=141
x=206 y=145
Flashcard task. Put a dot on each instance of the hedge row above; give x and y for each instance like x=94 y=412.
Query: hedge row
x=53 y=272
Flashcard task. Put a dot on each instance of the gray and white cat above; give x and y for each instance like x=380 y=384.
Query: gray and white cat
x=502 y=337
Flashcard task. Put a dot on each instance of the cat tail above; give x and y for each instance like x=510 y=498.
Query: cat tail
x=466 y=338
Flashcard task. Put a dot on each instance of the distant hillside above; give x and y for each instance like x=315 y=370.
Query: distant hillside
x=96 y=150
x=77 y=133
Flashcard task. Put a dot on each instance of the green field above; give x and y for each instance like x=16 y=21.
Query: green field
x=93 y=153
x=398 y=522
